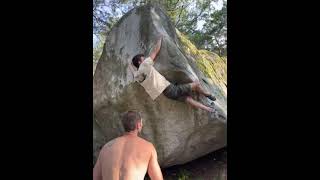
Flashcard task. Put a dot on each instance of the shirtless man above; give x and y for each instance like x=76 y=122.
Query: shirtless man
x=128 y=157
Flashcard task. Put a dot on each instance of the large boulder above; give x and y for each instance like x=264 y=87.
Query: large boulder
x=98 y=140
x=179 y=132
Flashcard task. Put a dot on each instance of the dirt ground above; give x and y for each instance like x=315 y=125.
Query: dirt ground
x=213 y=166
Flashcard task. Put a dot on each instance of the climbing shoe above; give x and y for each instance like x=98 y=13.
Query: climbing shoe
x=211 y=97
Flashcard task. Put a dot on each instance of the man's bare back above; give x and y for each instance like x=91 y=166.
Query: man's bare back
x=125 y=158
x=128 y=157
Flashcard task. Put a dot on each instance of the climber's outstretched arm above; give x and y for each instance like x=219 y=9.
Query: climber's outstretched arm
x=156 y=49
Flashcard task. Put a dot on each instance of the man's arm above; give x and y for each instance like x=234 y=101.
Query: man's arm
x=154 y=170
x=156 y=49
x=97 y=174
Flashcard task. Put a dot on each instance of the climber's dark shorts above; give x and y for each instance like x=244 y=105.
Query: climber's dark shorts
x=178 y=92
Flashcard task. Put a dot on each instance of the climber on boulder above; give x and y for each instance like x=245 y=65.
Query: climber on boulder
x=155 y=84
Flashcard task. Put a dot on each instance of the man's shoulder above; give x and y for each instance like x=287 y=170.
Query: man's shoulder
x=148 y=58
x=110 y=143
x=145 y=142
x=148 y=61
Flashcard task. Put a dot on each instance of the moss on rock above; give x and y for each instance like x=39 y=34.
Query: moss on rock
x=211 y=65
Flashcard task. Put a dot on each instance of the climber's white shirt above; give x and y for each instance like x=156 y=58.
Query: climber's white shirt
x=152 y=81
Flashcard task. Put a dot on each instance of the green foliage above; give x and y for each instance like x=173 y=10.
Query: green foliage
x=215 y=31
x=183 y=174
x=212 y=66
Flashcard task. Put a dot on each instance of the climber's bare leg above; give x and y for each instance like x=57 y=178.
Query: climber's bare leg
x=197 y=104
x=195 y=86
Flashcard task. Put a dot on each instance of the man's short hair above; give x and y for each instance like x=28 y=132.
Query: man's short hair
x=136 y=59
x=130 y=119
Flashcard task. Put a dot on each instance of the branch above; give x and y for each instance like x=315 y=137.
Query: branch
x=99 y=20
x=178 y=18
x=117 y=5
x=218 y=45
x=197 y=16
x=182 y=8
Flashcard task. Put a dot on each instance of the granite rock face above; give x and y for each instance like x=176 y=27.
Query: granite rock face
x=179 y=132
